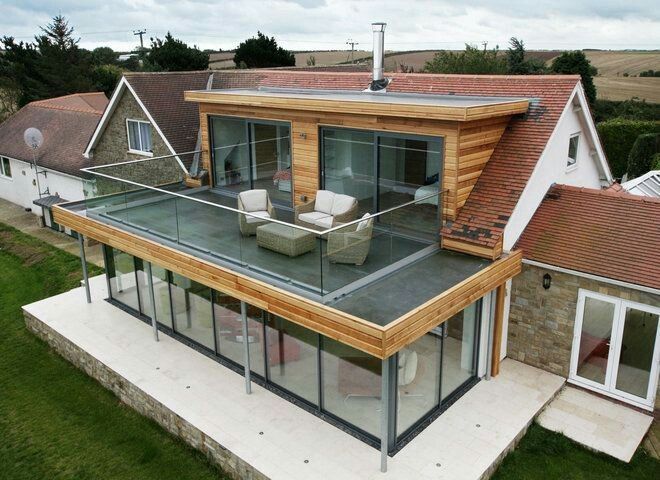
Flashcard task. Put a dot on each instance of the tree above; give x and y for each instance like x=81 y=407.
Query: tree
x=103 y=56
x=576 y=62
x=472 y=61
x=173 y=55
x=106 y=78
x=262 y=52
x=518 y=64
x=642 y=153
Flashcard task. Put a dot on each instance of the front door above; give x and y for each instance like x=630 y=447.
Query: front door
x=616 y=347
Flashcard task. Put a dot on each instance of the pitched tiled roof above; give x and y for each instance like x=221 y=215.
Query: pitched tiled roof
x=94 y=102
x=67 y=123
x=602 y=232
x=484 y=216
x=162 y=96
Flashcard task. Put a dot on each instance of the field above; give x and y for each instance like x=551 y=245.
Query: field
x=624 y=88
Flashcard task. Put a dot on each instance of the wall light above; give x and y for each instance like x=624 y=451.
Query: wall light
x=547 y=281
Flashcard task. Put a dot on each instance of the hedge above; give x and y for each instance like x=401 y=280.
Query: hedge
x=641 y=155
x=618 y=136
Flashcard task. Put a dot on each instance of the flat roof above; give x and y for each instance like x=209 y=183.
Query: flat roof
x=403 y=290
x=397 y=98
x=410 y=105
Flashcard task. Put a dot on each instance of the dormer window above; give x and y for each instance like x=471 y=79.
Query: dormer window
x=573 y=142
x=139 y=137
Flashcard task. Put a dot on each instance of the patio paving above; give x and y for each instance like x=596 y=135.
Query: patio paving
x=597 y=423
x=277 y=438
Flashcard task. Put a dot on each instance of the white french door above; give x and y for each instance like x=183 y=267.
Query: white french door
x=616 y=347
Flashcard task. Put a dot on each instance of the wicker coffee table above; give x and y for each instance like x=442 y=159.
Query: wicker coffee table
x=287 y=240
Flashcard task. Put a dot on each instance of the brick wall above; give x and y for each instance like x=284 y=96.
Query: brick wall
x=541 y=321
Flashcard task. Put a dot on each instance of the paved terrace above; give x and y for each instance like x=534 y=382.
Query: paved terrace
x=262 y=435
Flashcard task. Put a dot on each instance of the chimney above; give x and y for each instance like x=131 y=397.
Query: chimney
x=378 y=82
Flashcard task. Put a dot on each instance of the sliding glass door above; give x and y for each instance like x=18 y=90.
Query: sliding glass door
x=252 y=154
x=386 y=170
x=616 y=347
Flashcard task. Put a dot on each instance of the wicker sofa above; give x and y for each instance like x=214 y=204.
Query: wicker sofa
x=351 y=244
x=327 y=210
x=258 y=203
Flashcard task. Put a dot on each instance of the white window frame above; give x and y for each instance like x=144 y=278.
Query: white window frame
x=572 y=166
x=2 y=168
x=618 y=322
x=128 y=138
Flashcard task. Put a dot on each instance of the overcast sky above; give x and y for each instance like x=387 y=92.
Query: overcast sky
x=327 y=24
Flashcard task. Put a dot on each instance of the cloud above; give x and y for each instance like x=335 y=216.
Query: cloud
x=327 y=24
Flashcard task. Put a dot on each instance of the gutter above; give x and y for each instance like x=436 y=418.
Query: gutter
x=597 y=278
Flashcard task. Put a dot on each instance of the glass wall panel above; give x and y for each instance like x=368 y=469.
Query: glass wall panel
x=271 y=158
x=191 y=303
x=351 y=385
x=162 y=296
x=459 y=349
x=348 y=165
x=637 y=348
x=418 y=380
x=292 y=360
x=143 y=287
x=594 y=354
x=231 y=153
x=229 y=331
x=121 y=273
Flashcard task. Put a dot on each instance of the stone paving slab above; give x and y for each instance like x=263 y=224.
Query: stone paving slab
x=596 y=423
x=262 y=435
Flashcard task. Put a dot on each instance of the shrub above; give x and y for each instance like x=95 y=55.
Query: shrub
x=618 y=136
x=640 y=159
x=655 y=162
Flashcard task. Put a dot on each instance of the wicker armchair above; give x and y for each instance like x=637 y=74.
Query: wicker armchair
x=326 y=211
x=351 y=244
x=258 y=203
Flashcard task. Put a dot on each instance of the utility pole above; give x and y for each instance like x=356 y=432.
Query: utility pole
x=352 y=43
x=140 y=32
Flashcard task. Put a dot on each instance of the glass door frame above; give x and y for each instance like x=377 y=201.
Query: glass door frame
x=252 y=165
x=608 y=388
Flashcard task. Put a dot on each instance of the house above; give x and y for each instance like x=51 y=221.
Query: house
x=647 y=184
x=66 y=124
x=356 y=242
x=587 y=302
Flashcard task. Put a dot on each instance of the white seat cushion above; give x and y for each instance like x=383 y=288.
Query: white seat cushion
x=254 y=200
x=324 y=201
x=342 y=204
x=364 y=223
x=259 y=216
x=313 y=217
x=325 y=222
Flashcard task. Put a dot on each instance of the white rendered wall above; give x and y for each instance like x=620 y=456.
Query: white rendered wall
x=20 y=189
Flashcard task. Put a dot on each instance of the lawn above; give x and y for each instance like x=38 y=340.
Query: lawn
x=543 y=454
x=55 y=421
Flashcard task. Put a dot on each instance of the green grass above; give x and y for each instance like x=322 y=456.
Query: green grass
x=55 y=421
x=543 y=454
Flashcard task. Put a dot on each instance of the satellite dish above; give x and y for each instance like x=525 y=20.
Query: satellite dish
x=33 y=138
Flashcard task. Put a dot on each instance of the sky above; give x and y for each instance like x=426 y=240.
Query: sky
x=328 y=24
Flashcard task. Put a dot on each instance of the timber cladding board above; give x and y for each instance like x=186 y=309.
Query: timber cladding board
x=409 y=110
x=305 y=127
x=356 y=332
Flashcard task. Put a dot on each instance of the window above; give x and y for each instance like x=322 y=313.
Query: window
x=573 y=142
x=139 y=136
x=5 y=167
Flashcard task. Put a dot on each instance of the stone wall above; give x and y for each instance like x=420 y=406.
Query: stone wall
x=541 y=321
x=112 y=147
x=137 y=399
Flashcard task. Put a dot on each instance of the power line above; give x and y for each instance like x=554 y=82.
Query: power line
x=141 y=33
x=352 y=43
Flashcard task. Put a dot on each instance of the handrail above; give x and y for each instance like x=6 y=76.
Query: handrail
x=273 y=220
x=139 y=160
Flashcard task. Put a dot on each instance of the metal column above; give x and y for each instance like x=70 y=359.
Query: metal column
x=81 y=242
x=384 y=413
x=246 y=343
x=152 y=299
